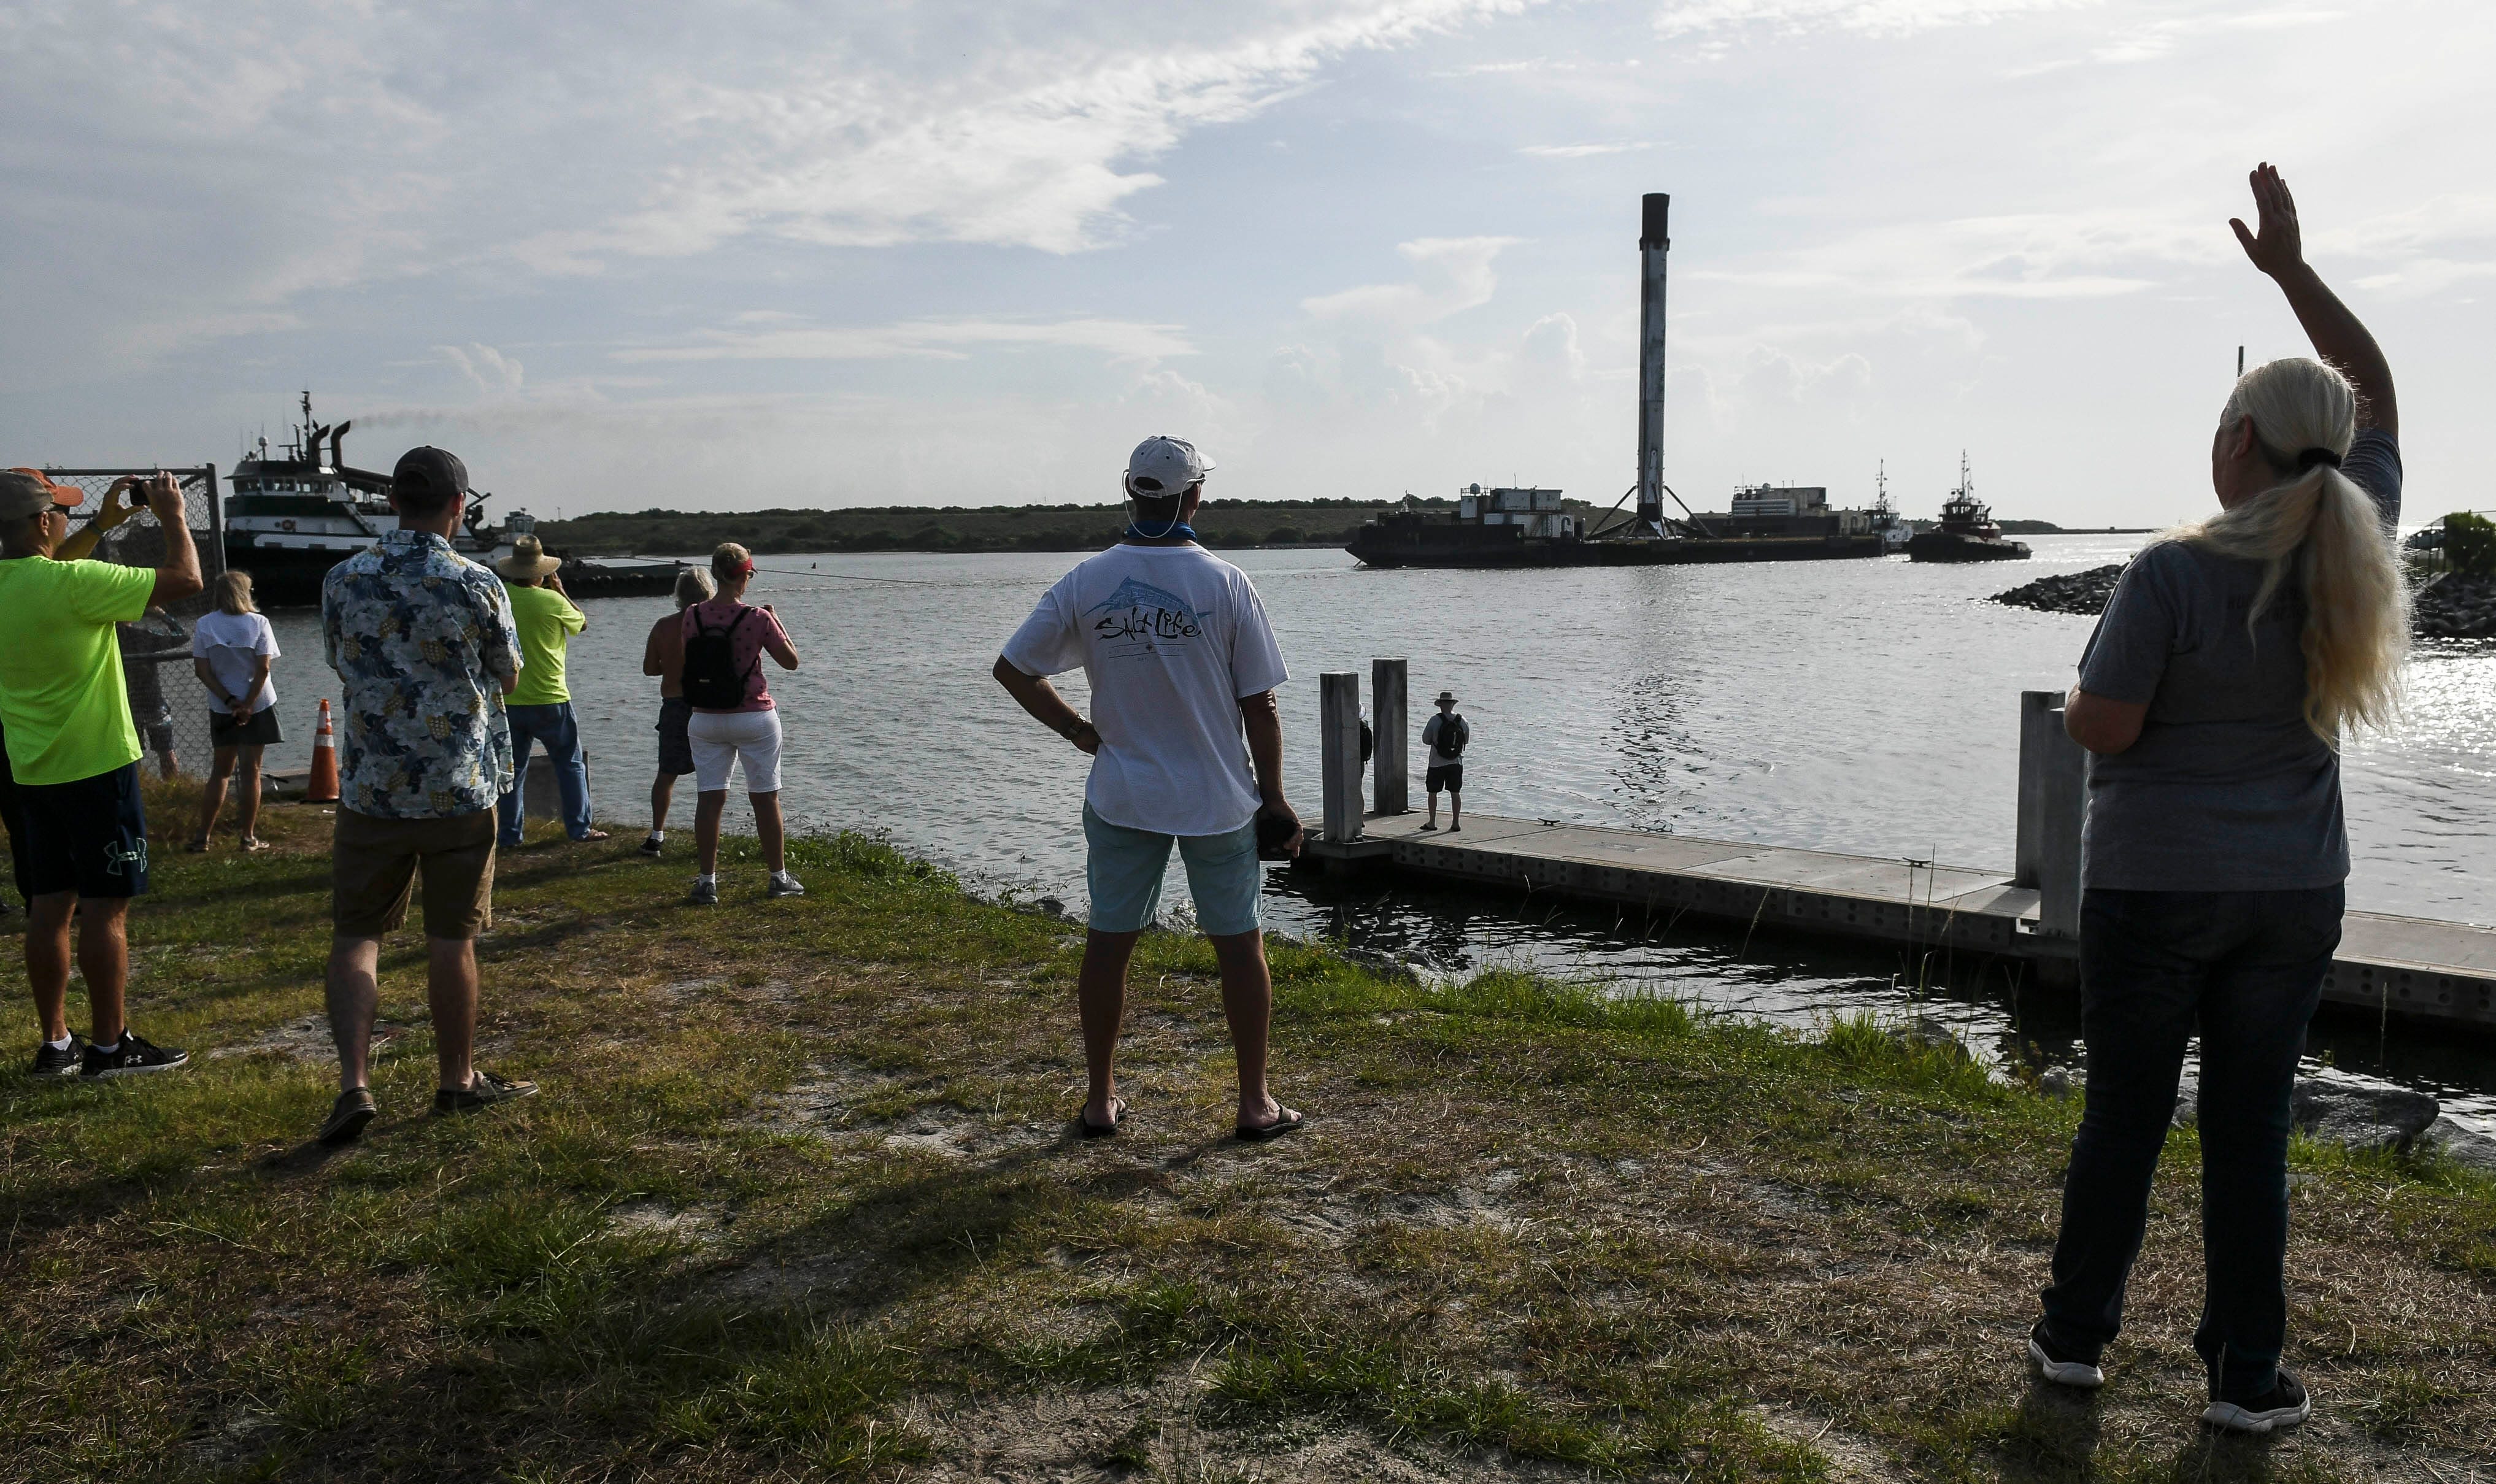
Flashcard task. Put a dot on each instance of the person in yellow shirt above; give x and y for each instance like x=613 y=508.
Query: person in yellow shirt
x=74 y=760
x=66 y=498
x=538 y=706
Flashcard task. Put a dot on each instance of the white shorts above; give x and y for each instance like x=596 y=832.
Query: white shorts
x=720 y=738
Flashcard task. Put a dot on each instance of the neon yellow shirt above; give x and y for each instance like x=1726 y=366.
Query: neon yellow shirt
x=62 y=699
x=546 y=621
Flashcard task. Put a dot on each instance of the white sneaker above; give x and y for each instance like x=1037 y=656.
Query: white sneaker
x=2061 y=1368
x=783 y=884
x=2285 y=1404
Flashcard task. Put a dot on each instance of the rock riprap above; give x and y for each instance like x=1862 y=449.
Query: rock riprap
x=2336 y=1108
x=2453 y=606
x=2075 y=591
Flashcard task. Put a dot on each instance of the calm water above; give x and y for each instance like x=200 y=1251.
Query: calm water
x=1859 y=706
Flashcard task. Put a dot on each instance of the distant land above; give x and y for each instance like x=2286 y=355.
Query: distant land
x=2049 y=528
x=1225 y=523
x=1229 y=524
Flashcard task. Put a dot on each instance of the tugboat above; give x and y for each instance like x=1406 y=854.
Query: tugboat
x=293 y=515
x=1967 y=531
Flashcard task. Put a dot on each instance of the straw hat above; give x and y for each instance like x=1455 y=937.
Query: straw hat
x=528 y=561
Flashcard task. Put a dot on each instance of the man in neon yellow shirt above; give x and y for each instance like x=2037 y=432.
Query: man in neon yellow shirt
x=538 y=706
x=75 y=759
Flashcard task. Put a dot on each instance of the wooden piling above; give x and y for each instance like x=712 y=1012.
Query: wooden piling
x=2053 y=800
x=1339 y=726
x=1391 y=776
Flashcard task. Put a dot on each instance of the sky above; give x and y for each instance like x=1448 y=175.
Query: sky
x=750 y=254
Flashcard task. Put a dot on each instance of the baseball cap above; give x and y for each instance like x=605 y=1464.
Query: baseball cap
x=428 y=477
x=25 y=491
x=1162 y=467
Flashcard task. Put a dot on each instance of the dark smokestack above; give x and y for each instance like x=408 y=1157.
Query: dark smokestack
x=1653 y=242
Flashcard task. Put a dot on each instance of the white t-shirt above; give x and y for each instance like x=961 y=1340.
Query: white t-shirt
x=228 y=641
x=1170 y=637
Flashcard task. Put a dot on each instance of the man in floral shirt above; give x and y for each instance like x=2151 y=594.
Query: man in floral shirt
x=421 y=639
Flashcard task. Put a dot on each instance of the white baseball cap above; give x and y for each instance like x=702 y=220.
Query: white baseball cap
x=1162 y=467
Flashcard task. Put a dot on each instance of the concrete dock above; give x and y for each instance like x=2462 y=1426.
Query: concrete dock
x=2443 y=971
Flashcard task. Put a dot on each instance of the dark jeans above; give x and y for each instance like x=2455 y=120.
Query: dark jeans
x=2244 y=969
x=554 y=726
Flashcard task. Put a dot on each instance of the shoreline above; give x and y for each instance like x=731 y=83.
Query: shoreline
x=799 y=1196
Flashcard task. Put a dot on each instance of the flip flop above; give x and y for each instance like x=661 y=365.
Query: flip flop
x=1290 y=1123
x=1091 y=1130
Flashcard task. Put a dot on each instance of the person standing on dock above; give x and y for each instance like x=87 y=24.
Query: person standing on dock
x=540 y=706
x=1181 y=662
x=423 y=642
x=735 y=723
x=2233 y=659
x=1444 y=735
x=81 y=828
x=663 y=654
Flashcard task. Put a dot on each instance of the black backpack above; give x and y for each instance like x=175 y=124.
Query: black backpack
x=1453 y=735
x=712 y=680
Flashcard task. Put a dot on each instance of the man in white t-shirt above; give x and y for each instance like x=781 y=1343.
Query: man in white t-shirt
x=1186 y=747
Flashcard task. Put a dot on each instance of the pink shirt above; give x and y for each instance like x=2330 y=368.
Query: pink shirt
x=745 y=645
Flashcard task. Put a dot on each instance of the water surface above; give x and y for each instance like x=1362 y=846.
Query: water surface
x=1862 y=706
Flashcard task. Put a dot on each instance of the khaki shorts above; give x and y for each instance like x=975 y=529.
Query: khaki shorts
x=373 y=864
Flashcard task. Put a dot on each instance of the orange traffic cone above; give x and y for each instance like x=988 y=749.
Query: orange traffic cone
x=324 y=786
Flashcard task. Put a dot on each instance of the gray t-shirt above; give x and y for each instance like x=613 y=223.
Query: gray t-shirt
x=2227 y=788
x=1436 y=725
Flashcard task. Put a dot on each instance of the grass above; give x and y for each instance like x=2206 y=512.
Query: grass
x=800 y=1201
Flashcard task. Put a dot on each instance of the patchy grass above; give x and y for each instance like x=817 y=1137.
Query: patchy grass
x=800 y=1202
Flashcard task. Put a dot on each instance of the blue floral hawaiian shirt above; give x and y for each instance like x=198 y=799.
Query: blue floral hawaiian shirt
x=422 y=638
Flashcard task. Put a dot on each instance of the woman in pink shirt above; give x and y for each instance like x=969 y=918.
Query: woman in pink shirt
x=733 y=721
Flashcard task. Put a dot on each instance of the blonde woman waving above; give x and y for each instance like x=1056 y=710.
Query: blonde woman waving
x=2234 y=658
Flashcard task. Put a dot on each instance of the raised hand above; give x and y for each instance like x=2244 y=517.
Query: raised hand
x=112 y=512
x=2279 y=247
x=164 y=496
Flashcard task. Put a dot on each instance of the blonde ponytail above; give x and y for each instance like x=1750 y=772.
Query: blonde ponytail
x=2318 y=525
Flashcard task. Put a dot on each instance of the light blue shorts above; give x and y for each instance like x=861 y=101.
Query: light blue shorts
x=1124 y=869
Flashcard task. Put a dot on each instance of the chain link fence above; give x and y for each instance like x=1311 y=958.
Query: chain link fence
x=167 y=702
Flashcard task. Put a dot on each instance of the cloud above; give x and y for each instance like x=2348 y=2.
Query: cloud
x=1453 y=274
x=1878 y=17
x=294 y=147
x=2039 y=256
x=1037 y=149
x=1551 y=347
x=2156 y=39
x=938 y=339
x=488 y=368
x=1580 y=151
